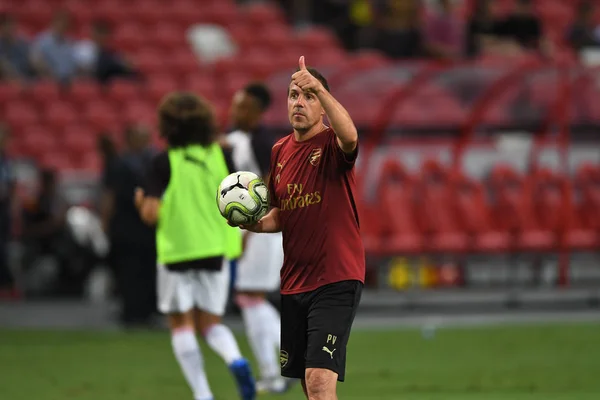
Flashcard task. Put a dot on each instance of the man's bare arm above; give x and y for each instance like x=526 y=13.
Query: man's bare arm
x=147 y=206
x=341 y=122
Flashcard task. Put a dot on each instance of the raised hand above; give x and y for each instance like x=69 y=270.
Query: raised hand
x=304 y=79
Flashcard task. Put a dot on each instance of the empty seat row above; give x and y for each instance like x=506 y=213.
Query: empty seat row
x=443 y=212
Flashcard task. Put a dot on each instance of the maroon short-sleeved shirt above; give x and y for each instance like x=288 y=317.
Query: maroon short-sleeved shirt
x=312 y=183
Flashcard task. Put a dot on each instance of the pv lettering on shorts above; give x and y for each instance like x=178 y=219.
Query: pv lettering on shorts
x=331 y=339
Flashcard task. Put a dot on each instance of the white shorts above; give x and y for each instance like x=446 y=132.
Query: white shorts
x=259 y=267
x=179 y=292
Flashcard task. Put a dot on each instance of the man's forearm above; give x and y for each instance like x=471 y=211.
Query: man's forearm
x=340 y=120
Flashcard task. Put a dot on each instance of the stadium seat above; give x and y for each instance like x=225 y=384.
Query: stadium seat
x=201 y=84
x=83 y=91
x=149 y=61
x=101 y=117
x=157 y=87
x=436 y=212
x=59 y=114
x=580 y=233
x=122 y=91
x=45 y=92
x=139 y=112
x=130 y=37
x=182 y=62
x=78 y=141
x=19 y=114
x=515 y=211
x=169 y=36
x=9 y=92
x=38 y=140
x=396 y=220
x=474 y=217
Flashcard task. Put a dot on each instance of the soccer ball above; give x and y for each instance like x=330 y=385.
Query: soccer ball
x=243 y=198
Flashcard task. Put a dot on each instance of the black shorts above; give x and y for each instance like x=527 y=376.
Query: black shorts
x=315 y=328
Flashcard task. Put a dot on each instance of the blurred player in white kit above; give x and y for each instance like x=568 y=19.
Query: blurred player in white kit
x=259 y=267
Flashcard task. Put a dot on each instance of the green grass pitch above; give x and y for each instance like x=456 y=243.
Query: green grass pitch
x=548 y=362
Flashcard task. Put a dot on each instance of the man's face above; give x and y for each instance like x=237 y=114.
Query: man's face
x=245 y=111
x=304 y=109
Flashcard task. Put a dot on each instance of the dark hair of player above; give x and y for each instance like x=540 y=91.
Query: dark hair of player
x=186 y=119
x=260 y=92
x=317 y=75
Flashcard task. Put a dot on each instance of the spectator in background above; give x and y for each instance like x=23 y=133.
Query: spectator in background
x=132 y=242
x=479 y=34
x=14 y=52
x=444 y=32
x=43 y=226
x=7 y=193
x=398 y=29
x=107 y=150
x=584 y=33
x=521 y=30
x=97 y=59
x=53 y=53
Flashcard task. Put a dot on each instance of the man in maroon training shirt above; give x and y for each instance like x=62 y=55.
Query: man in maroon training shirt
x=312 y=187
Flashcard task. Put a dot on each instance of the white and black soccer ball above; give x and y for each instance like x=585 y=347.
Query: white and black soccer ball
x=243 y=198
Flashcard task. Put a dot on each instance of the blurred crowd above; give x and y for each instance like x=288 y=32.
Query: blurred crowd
x=405 y=29
x=55 y=54
x=58 y=256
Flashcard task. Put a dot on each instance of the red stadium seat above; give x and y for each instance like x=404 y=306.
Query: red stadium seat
x=57 y=160
x=182 y=62
x=157 y=87
x=263 y=14
x=45 y=92
x=580 y=233
x=123 y=91
x=168 y=36
x=9 y=91
x=277 y=37
x=258 y=62
x=101 y=117
x=515 y=212
x=130 y=37
x=38 y=140
x=60 y=114
x=222 y=13
x=436 y=212
x=35 y=13
x=78 y=141
x=201 y=84
x=474 y=217
x=19 y=114
x=400 y=233
x=150 y=61
x=82 y=92
x=139 y=112
x=317 y=39
x=186 y=13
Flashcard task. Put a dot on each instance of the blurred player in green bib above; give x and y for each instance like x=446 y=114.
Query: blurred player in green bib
x=193 y=240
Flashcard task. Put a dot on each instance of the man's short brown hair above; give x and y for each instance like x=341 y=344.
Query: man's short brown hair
x=186 y=119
